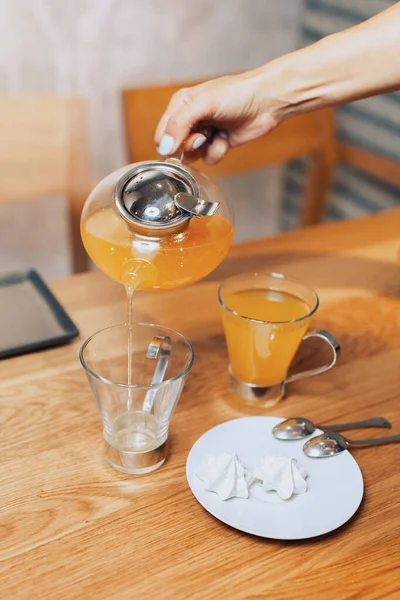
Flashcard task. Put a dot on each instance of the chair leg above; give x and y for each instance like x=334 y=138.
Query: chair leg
x=80 y=259
x=78 y=180
x=317 y=189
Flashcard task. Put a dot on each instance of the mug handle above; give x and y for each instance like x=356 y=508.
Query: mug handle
x=332 y=342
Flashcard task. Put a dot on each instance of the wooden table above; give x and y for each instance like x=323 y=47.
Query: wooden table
x=72 y=527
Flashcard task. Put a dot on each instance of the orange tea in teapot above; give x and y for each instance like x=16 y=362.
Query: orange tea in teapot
x=156 y=225
x=164 y=263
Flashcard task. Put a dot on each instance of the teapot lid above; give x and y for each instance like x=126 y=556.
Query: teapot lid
x=160 y=196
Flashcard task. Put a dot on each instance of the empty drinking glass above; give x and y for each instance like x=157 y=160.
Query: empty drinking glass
x=137 y=375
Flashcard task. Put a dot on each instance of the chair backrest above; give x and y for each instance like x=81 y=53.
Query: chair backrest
x=311 y=133
x=44 y=152
x=377 y=165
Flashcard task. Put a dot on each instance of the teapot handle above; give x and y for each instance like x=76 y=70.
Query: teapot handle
x=177 y=157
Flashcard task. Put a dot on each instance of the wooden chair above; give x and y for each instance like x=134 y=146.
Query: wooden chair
x=43 y=152
x=311 y=134
x=379 y=166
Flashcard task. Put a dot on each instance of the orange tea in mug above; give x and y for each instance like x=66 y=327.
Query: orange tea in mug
x=265 y=318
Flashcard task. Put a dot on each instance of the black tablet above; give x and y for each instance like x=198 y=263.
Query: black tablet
x=31 y=318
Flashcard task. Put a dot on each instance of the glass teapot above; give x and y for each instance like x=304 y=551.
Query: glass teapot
x=156 y=225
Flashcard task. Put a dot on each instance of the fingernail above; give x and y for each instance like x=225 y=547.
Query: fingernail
x=198 y=142
x=166 y=145
x=223 y=134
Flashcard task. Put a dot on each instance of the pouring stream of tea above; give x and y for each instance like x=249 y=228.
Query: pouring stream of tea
x=135 y=273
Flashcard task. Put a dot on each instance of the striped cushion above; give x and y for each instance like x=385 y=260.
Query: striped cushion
x=373 y=124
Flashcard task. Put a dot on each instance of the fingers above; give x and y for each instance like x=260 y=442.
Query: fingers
x=195 y=141
x=187 y=125
x=177 y=101
x=194 y=147
x=180 y=119
x=211 y=148
x=217 y=149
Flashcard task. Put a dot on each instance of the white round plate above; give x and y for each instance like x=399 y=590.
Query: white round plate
x=335 y=484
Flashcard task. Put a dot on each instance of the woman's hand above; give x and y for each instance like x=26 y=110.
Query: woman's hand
x=208 y=119
x=353 y=64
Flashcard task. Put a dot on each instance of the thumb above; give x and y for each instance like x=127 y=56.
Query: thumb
x=181 y=123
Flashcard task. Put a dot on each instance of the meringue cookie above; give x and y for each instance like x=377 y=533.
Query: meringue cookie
x=225 y=475
x=284 y=475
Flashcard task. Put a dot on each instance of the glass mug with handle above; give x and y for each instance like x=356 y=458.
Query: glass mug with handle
x=266 y=317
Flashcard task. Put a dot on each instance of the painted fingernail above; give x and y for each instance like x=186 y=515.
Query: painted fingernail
x=223 y=134
x=198 y=142
x=166 y=145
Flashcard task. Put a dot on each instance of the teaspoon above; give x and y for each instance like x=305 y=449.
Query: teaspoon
x=300 y=427
x=159 y=347
x=329 y=444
